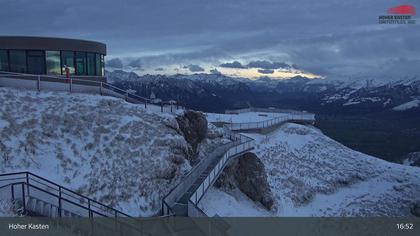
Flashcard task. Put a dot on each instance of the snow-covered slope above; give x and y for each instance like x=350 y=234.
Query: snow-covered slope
x=312 y=175
x=103 y=147
x=407 y=105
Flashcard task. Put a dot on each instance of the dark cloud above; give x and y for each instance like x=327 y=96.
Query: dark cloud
x=263 y=64
x=266 y=71
x=234 y=64
x=159 y=69
x=194 y=68
x=215 y=71
x=114 y=63
x=136 y=63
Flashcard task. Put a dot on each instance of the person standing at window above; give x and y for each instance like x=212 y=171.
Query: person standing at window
x=67 y=70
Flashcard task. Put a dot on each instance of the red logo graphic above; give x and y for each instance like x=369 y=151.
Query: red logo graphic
x=403 y=10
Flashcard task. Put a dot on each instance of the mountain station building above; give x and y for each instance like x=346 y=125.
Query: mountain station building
x=51 y=56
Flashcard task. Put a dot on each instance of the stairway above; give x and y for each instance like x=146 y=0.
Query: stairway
x=38 y=207
x=35 y=196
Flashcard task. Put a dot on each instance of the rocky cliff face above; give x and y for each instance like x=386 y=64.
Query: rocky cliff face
x=193 y=125
x=247 y=173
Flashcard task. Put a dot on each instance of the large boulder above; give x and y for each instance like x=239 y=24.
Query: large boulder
x=193 y=125
x=247 y=173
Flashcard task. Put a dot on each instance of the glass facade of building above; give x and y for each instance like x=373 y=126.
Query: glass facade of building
x=35 y=61
x=17 y=61
x=4 y=61
x=52 y=62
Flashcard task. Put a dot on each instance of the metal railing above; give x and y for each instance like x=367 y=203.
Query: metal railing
x=244 y=144
x=59 y=196
x=20 y=187
x=88 y=86
x=267 y=110
x=297 y=117
x=239 y=144
x=187 y=181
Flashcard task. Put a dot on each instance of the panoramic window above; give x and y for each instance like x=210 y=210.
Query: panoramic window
x=4 y=62
x=53 y=62
x=17 y=61
x=90 y=65
x=80 y=63
x=36 y=62
x=102 y=65
x=67 y=59
x=98 y=65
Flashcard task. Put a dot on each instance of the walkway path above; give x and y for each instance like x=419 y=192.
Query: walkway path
x=183 y=199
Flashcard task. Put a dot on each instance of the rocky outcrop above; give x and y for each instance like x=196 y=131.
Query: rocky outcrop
x=415 y=210
x=193 y=125
x=247 y=173
x=413 y=159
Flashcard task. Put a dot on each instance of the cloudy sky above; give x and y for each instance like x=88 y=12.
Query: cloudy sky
x=250 y=38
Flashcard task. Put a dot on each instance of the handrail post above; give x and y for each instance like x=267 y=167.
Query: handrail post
x=13 y=192
x=59 y=201
x=27 y=181
x=100 y=89
x=145 y=103
x=70 y=84
x=161 y=107
x=90 y=211
x=23 y=199
x=115 y=220
x=39 y=83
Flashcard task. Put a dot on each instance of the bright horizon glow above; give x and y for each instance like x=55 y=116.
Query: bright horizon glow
x=249 y=73
x=252 y=73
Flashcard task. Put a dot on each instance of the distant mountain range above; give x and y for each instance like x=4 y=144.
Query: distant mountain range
x=215 y=92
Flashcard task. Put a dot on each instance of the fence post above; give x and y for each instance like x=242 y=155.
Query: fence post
x=39 y=83
x=100 y=89
x=161 y=106
x=145 y=103
x=71 y=84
